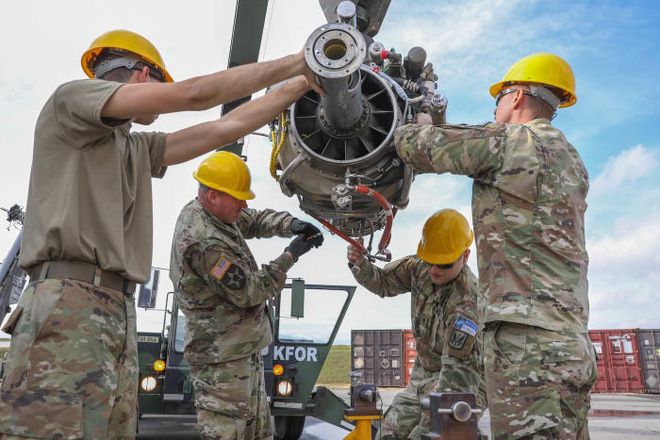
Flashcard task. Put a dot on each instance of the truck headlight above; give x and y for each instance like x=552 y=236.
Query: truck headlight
x=285 y=387
x=148 y=383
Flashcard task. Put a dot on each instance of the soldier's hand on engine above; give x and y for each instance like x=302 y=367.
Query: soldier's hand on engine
x=300 y=227
x=301 y=245
x=354 y=255
x=310 y=76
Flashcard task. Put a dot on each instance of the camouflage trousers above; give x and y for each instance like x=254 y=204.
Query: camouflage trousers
x=404 y=418
x=72 y=369
x=231 y=400
x=538 y=382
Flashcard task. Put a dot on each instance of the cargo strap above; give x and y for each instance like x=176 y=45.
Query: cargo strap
x=85 y=272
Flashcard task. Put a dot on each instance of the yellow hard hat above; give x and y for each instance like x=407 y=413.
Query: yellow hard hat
x=225 y=172
x=446 y=235
x=123 y=40
x=541 y=68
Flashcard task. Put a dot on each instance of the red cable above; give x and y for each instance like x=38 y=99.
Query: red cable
x=341 y=234
x=385 y=238
x=387 y=233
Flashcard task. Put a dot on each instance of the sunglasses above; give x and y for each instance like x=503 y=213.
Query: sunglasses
x=442 y=266
x=508 y=91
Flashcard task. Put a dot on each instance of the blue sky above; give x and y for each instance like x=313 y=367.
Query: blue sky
x=612 y=47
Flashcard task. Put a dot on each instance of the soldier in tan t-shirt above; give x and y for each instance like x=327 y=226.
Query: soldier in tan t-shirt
x=72 y=368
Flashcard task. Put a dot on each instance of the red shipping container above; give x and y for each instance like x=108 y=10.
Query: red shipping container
x=619 y=362
x=410 y=353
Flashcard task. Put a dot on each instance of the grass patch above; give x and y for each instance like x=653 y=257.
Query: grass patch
x=337 y=366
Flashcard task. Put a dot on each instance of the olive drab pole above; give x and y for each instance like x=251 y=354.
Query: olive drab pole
x=248 y=28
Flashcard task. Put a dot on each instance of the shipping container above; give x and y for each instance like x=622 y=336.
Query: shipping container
x=410 y=353
x=619 y=361
x=384 y=357
x=379 y=356
x=649 y=344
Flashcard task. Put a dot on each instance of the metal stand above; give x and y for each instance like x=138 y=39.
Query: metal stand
x=363 y=411
x=453 y=416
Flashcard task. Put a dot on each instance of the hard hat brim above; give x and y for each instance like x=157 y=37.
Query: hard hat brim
x=240 y=195
x=436 y=258
x=496 y=88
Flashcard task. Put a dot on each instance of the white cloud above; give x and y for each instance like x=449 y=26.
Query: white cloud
x=624 y=273
x=625 y=168
x=624 y=242
x=631 y=246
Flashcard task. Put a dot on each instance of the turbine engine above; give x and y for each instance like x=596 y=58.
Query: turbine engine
x=335 y=151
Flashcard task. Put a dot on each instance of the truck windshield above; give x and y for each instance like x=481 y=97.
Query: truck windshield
x=321 y=309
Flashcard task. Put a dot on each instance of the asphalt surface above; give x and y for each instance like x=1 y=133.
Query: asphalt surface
x=613 y=417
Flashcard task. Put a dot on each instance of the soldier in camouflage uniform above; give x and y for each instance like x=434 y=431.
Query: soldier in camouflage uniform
x=445 y=320
x=528 y=207
x=72 y=370
x=222 y=292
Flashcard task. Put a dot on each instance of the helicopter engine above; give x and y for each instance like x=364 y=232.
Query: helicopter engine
x=336 y=151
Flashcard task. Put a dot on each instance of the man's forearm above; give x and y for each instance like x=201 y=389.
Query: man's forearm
x=191 y=142
x=238 y=82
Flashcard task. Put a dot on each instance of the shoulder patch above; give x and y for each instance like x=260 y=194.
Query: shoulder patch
x=220 y=268
x=457 y=339
x=466 y=326
x=230 y=275
x=235 y=278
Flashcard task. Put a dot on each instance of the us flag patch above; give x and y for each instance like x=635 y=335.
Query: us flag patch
x=220 y=268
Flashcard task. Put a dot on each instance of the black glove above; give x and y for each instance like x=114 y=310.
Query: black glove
x=307 y=229
x=301 y=245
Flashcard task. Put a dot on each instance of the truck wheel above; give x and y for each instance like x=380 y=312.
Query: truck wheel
x=289 y=427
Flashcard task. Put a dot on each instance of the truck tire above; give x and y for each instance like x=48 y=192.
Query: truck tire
x=288 y=427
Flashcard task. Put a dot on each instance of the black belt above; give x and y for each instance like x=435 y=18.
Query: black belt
x=85 y=272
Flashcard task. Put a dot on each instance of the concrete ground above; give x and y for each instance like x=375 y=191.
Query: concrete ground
x=613 y=417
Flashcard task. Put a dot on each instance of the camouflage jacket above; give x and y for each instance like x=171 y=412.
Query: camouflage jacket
x=218 y=285
x=528 y=207
x=445 y=320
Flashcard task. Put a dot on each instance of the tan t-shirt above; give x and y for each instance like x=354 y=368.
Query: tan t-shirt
x=90 y=187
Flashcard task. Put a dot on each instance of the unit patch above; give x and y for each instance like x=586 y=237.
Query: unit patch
x=467 y=326
x=457 y=339
x=229 y=274
x=462 y=337
x=235 y=278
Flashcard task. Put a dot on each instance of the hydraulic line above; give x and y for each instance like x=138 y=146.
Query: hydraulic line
x=336 y=231
x=387 y=233
x=385 y=238
x=277 y=147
